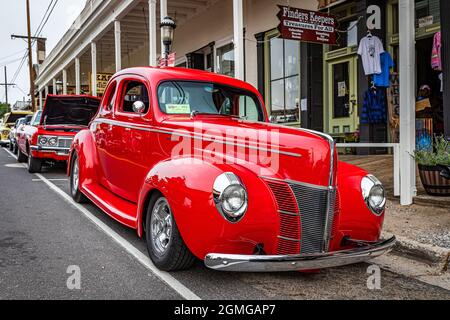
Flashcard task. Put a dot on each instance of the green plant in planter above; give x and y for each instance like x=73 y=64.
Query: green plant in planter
x=439 y=154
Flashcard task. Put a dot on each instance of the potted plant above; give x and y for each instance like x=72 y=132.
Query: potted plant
x=434 y=167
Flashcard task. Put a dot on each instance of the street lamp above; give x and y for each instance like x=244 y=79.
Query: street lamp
x=167 y=26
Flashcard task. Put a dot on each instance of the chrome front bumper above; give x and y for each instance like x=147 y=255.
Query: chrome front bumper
x=58 y=150
x=261 y=263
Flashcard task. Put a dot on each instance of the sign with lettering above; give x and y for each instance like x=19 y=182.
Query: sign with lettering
x=307 y=26
x=102 y=81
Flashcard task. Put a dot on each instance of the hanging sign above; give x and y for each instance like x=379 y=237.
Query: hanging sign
x=305 y=25
x=170 y=60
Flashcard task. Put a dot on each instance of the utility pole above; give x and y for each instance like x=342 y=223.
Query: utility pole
x=30 y=58
x=6 y=84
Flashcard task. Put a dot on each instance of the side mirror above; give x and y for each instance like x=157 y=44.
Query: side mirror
x=138 y=107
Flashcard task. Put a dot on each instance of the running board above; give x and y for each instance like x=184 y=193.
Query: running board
x=119 y=209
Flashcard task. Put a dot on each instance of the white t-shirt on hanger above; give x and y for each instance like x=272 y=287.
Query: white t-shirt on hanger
x=370 y=49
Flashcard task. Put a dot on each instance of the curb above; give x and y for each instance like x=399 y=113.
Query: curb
x=437 y=256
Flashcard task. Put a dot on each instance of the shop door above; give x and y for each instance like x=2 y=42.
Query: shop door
x=342 y=95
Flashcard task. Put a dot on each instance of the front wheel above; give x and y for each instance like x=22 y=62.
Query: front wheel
x=34 y=165
x=21 y=157
x=164 y=243
x=74 y=181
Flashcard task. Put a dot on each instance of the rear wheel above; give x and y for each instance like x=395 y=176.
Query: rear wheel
x=164 y=243
x=34 y=164
x=21 y=157
x=74 y=181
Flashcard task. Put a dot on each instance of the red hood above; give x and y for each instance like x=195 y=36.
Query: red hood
x=305 y=151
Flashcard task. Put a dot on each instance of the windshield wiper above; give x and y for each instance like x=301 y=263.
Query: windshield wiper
x=195 y=113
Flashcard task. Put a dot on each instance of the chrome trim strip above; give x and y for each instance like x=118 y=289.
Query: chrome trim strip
x=280 y=263
x=304 y=184
x=289 y=213
x=289 y=239
x=36 y=148
x=202 y=138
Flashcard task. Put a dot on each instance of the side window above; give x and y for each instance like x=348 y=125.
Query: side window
x=110 y=97
x=248 y=108
x=134 y=91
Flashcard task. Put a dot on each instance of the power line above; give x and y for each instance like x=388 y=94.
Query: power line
x=2 y=64
x=11 y=55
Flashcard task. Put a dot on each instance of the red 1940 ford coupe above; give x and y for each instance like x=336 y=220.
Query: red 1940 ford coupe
x=189 y=158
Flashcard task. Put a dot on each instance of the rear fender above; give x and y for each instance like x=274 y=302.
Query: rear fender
x=84 y=145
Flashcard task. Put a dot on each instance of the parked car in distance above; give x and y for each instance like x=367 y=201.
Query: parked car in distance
x=172 y=153
x=13 y=133
x=8 y=122
x=49 y=135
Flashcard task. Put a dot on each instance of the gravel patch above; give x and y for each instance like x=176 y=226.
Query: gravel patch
x=441 y=239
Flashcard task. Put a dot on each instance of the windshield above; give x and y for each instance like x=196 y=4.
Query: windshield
x=37 y=119
x=183 y=97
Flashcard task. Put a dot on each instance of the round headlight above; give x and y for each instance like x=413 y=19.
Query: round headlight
x=373 y=194
x=42 y=141
x=53 y=141
x=230 y=196
x=233 y=199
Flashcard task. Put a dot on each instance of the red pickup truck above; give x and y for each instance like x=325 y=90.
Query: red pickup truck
x=48 y=138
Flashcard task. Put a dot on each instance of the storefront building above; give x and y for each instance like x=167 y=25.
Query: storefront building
x=312 y=85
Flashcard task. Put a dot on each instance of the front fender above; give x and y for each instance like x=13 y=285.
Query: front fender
x=355 y=218
x=187 y=184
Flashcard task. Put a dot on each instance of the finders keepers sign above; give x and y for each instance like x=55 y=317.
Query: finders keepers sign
x=305 y=25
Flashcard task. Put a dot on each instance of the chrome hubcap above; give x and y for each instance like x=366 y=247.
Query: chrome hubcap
x=75 y=176
x=161 y=226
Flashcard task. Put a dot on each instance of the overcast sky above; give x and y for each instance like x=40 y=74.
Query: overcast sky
x=13 y=21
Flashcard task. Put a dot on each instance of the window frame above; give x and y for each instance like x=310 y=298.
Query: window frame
x=216 y=55
x=122 y=86
x=110 y=96
x=250 y=94
x=268 y=75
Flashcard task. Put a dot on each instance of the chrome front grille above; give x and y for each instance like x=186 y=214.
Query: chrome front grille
x=316 y=206
x=64 y=142
x=306 y=216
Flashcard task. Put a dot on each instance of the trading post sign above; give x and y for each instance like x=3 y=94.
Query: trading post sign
x=308 y=26
x=102 y=82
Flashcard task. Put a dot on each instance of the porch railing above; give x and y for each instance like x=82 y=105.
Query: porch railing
x=396 y=153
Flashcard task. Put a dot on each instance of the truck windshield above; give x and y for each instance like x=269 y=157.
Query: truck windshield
x=186 y=97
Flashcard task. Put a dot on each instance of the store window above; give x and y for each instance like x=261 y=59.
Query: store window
x=284 y=79
x=427 y=13
x=225 y=60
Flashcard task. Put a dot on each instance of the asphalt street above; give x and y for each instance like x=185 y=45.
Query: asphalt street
x=42 y=234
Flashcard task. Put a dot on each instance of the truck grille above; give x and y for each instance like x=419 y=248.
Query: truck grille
x=306 y=216
x=65 y=142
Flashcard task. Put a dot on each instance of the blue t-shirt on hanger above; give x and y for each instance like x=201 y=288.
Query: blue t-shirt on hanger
x=382 y=79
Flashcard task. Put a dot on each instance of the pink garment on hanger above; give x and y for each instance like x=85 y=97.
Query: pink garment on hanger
x=436 y=62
